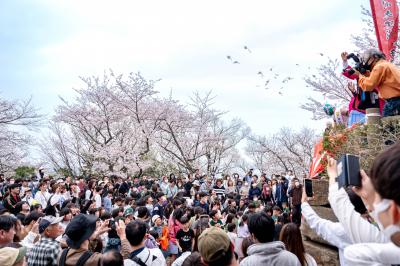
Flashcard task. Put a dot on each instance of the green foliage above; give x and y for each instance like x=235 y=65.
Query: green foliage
x=24 y=171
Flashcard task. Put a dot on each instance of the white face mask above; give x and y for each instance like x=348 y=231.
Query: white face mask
x=390 y=230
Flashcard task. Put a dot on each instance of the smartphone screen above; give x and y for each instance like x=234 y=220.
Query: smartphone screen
x=308 y=187
x=353 y=168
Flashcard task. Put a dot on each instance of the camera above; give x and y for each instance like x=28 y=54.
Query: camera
x=360 y=66
x=349 y=171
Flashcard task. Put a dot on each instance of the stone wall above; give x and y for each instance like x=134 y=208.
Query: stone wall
x=323 y=254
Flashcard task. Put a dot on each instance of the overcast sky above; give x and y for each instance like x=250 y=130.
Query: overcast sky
x=47 y=45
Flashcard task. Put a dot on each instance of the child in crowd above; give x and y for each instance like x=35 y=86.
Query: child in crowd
x=285 y=207
x=243 y=230
x=215 y=218
x=276 y=212
x=231 y=232
x=158 y=224
x=185 y=236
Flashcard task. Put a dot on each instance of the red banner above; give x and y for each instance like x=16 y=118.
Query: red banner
x=316 y=165
x=386 y=19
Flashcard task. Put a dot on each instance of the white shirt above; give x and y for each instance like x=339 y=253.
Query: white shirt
x=274 y=191
x=372 y=254
x=151 y=257
x=57 y=198
x=97 y=199
x=42 y=197
x=88 y=192
x=357 y=228
x=232 y=236
x=331 y=232
x=243 y=231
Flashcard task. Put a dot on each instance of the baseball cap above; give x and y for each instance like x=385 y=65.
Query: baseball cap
x=34 y=202
x=154 y=218
x=80 y=229
x=128 y=211
x=10 y=256
x=47 y=221
x=213 y=244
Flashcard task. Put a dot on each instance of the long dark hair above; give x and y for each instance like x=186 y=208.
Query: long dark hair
x=291 y=236
x=247 y=242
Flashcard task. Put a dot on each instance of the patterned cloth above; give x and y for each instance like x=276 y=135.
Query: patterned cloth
x=44 y=253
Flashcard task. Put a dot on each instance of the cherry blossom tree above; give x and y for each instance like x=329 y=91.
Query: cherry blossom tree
x=221 y=153
x=107 y=139
x=283 y=151
x=331 y=84
x=17 y=118
x=197 y=136
x=120 y=125
x=64 y=149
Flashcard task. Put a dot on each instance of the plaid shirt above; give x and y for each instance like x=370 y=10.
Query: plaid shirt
x=44 y=253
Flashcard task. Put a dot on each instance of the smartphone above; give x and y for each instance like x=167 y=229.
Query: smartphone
x=308 y=187
x=349 y=171
x=111 y=224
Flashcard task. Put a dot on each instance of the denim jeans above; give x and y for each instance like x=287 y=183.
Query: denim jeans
x=392 y=107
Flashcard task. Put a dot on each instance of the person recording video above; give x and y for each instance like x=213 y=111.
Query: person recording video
x=373 y=243
x=385 y=76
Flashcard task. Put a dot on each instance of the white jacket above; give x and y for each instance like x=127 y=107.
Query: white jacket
x=357 y=228
x=372 y=254
x=331 y=232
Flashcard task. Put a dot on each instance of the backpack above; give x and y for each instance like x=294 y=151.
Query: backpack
x=82 y=260
x=139 y=261
x=52 y=210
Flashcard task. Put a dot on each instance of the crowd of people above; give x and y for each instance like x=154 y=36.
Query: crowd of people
x=197 y=219
x=149 y=220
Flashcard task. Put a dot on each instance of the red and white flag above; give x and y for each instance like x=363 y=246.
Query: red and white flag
x=386 y=19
